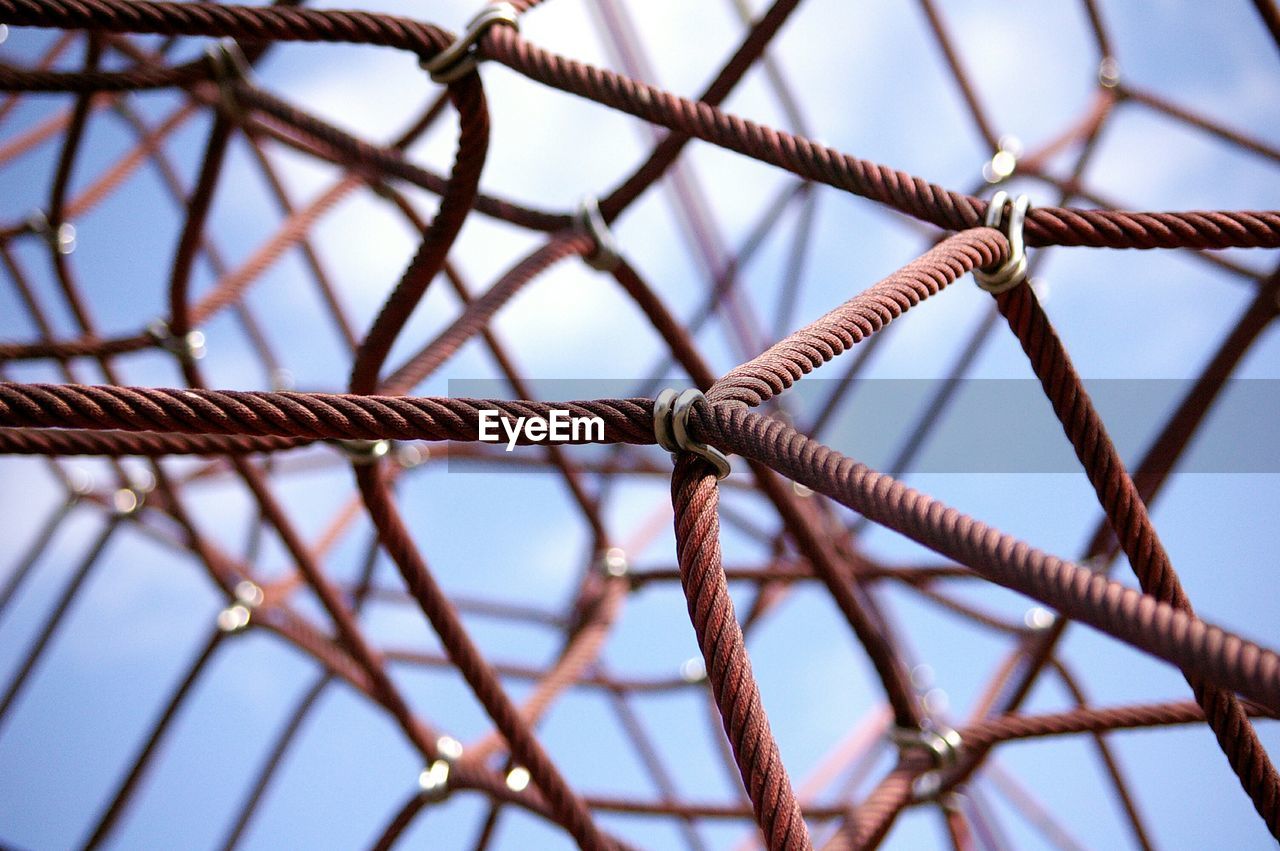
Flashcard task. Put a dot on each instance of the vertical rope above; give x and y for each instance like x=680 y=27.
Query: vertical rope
x=695 y=496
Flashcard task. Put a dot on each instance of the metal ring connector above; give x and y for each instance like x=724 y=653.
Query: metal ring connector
x=61 y=239
x=236 y=617
x=607 y=256
x=614 y=563
x=459 y=59
x=189 y=347
x=1014 y=270
x=942 y=745
x=671 y=428
x=1109 y=72
x=363 y=452
x=434 y=779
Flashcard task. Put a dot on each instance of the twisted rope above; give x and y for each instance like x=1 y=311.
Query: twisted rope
x=1128 y=517
x=695 y=498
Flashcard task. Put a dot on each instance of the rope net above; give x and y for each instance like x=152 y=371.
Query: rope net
x=266 y=270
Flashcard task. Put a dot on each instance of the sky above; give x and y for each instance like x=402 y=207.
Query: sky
x=870 y=80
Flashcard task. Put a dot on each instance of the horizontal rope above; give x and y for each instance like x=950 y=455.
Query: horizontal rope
x=289 y=414
x=1087 y=719
x=1133 y=617
x=47 y=441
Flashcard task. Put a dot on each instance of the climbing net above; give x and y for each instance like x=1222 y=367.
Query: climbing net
x=514 y=641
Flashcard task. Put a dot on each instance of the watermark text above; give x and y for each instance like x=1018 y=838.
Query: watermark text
x=560 y=426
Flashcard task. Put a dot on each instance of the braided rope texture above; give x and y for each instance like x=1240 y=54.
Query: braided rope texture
x=234 y=298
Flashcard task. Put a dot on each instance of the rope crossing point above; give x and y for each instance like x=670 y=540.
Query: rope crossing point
x=383 y=432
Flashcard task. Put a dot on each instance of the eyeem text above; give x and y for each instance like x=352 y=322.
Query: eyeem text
x=560 y=426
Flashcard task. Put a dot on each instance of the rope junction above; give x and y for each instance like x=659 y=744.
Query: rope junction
x=384 y=432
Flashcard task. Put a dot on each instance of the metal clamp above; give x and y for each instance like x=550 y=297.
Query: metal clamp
x=236 y=617
x=229 y=67
x=61 y=239
x=434 y=779
x=362 y=453
x=188 y=347
x=1108 y=72
x=607 y=255
x=693 y=670
x=459 y=59
x=614 y=563
x=671 y=428
x=1004 y=162
x=942 y=744
x=1014 y=270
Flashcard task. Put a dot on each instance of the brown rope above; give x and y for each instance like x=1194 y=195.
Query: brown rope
x=695 y=498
